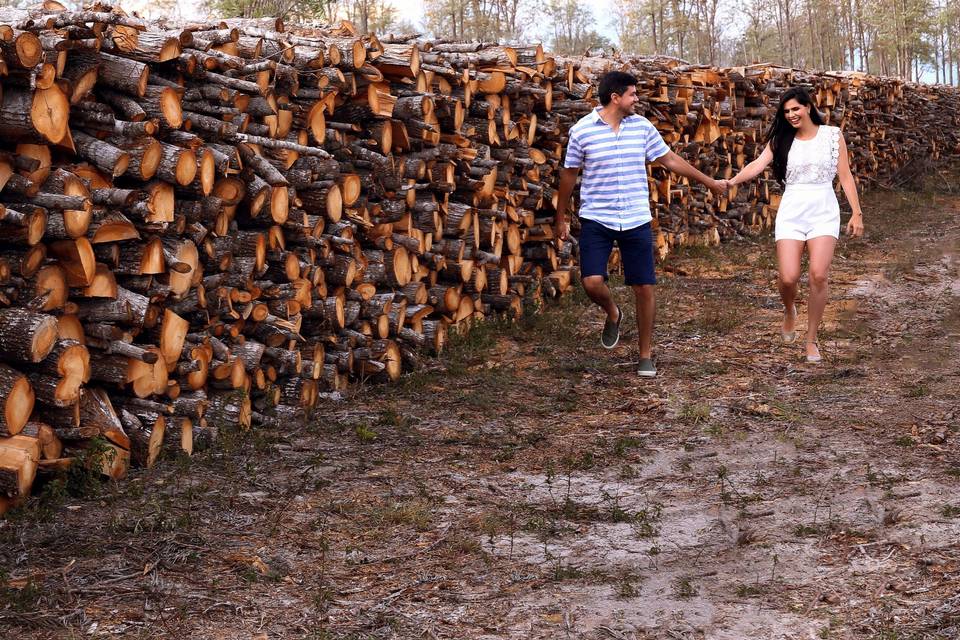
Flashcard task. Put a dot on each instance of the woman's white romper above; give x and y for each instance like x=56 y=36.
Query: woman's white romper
x=809 y=206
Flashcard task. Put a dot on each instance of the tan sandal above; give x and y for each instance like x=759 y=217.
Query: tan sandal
x=789 y=337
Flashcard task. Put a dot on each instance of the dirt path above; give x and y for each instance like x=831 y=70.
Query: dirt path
x=531 y=486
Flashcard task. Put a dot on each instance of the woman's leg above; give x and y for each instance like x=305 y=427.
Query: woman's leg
x=788 y=266
x=821 y=255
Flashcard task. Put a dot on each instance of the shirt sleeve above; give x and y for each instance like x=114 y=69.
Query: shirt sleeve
x=574 y=159
x=656 y=147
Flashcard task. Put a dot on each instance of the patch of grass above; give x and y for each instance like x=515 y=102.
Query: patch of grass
x=953 y=472
x=950 y=511
x=624 y=444
x=556 y=325
x=806 y=531
x=460 y=546
x=749 y=590
x=392 y=418
x=468 y=348
x=582 y=462
x=464 y=350
x=506 y=454
x=709 y=368
x=905 y=441
x=683 y=587
x=918 y=390
x=82 y=480
x=415 y=513
x=881 y=479
x=616 y=512
x=788 y=411
x=713 y=319
x=695 y=252
x=765 y=259
x=646 y=522
x=22 y=598
x=626 y=587
x=565 y=571
x=365 y=433
x=627 y=472
x=694 y=413
x=491 y=524
x=714 y=430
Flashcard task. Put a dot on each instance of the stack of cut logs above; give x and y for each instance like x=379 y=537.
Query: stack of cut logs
x=717 y=118
x=207 y=225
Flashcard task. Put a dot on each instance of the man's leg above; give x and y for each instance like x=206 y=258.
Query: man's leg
x=646 y=311
x=598 y=291
x=596 y=243
x=636 y=249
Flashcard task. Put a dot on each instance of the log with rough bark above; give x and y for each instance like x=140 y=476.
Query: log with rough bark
x=26 y=336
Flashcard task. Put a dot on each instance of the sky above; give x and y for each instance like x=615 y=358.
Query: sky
x=409 y=10
x=412 y=10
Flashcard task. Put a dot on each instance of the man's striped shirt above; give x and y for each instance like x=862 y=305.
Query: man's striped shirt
x=613 y=189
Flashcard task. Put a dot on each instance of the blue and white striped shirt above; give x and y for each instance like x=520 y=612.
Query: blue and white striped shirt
x=613 y=189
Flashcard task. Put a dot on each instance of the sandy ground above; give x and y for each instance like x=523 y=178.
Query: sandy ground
x=529 y=485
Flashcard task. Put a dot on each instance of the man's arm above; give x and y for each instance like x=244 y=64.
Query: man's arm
x=568 y=180
x=678 y=165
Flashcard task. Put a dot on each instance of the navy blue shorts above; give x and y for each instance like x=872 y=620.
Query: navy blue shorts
x=636 y=251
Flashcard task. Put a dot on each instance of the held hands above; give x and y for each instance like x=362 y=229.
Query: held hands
x=719 y=187
x=855 y=226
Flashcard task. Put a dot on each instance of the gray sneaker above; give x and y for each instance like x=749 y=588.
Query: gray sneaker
x=646 y=369
x=611 y=331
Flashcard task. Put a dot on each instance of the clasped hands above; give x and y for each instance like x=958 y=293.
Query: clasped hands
x=719 y=187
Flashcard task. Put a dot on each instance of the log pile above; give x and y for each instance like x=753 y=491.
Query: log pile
x=220 y=224
x=209 y=225
x=716 y=119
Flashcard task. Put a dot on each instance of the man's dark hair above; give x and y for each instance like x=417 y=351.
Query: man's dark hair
x=614 y=82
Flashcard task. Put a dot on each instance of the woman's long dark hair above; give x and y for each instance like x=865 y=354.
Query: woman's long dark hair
x=781 y=133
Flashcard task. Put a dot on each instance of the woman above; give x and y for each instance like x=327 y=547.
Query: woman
x=806 y=155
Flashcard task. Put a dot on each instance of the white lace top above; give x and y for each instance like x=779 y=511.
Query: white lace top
x=814 y=161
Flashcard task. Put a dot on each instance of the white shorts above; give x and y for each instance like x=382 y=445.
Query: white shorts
x=808 y=211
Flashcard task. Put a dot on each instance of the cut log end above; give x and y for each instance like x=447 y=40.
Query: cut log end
x=43 y=339
x=50 y=114
x=18 y=405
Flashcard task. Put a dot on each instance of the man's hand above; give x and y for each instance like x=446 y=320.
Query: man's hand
x=855 y=226
x=719 y=187
x=561 y=230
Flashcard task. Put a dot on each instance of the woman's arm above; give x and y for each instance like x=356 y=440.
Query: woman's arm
x=855 y=226
x=755 y=168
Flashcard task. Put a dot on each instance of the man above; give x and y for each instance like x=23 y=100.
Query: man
x=612 y=145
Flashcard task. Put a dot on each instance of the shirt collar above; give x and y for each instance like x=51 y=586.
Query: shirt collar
x=598 y=119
